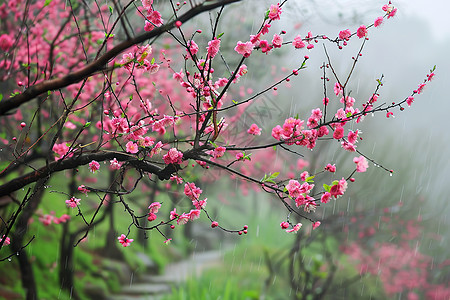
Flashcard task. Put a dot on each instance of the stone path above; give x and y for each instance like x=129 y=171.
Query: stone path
x=153 y=287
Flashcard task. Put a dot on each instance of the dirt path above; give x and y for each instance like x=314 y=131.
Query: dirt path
x=153 y=287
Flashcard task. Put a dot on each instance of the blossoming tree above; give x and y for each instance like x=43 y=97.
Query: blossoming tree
x=138 y=90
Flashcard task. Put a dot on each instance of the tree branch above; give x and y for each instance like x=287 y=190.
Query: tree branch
x=97 y=65
x=83 y=159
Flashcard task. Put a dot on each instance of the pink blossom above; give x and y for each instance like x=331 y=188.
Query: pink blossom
x=64 y=218
x=132 y=147
x=352 y=136
x=155 y=18
x=330 y=168
x=6 y=242
x=153 y=68
x=430 y=76
x=244 y=49
x=315 y=225
x=345 y=34
x=124 y=240
x=362 y=31
x=199 y=204
x=6 y=42
x=194 y=214
x=277 y=41
x=239 y=155
x=338 y=188
x=420 y=88
x=254 y=129
x=338 y=89
x=378 y=21
x=192 y=47
x=73 y=202
x=301 y=163
x=338 y=133
x=156 y=149
x=275 y=12
x=183 y=219
x=392 y=13
x=154 y=207
x=192 y=191
x=152 y=217
x=361 y=164
x=177 y=179
x=265 y=46
x=322 y=131
x=348 y=146
x=46 y=219
x=265 y=29
x=179 y=76
x=284 y=225
x=62 y=150
x=173 y=157
x=213 y=47
x=94 y=166
x=173 y=214
x=295 y=228
x=219 y=151
x=115 y=164
x=83 y=189
x=298 y=42
x=325 y=197
x=304 y=175
x=293 y=187
x=409 y=100
x=349 y=101
x=146 y=141
x=147 y=4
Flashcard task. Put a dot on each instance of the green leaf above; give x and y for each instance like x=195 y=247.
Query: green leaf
x=274 y=148
x=153 y=61
x=310 y=178
x=47 y=2
x=267 y=15
x=220 y=35
x=110 y=9
x=274 y=175
x=87 y=124
x=326 y=187
x=234 y=101
x=349 y=114
x=1 y=97
x=270 y=178
x=335 y=182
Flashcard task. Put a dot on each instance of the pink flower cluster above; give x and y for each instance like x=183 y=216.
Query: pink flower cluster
x=62 y=150
x=124 y=240
x=300 y=194
x=361 y=163
x=94 y=166
x=254 y=129
x=338 y=188
x=6 y=242
x=73 y=202
x=173 y=157
x=153 y=210
x=48 y=219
